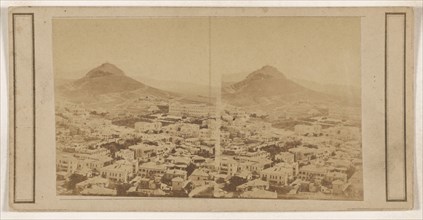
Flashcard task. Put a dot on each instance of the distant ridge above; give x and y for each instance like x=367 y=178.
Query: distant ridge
x=104 y=70
x=107 y=84
x=266 y=85
x=106 y=78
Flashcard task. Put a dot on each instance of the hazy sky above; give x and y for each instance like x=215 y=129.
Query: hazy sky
x=318 y=49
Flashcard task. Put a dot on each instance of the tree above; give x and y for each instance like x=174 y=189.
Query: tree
x=73 y=180
x=273 y=150
x=220 y=180
x=204 y=153
x=326 y=183
x=121 y=189
x=233 y=183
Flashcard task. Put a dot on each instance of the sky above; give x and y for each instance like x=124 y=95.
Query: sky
x=319 y=49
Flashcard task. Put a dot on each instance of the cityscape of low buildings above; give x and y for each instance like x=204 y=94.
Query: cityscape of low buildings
x=186 y=151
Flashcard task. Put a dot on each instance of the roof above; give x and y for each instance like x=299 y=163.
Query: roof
x=312 y=168
x=199 y=172
x=175 y=171
x=118 y=167
x=177 y=179
x=152 y=165
x=243 y=174
x=181 y=160
x=279 y=168
x=196 y=157
x=132 y=189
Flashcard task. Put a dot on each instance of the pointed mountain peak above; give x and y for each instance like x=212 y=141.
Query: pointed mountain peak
x=105 y=69
x=266 y=72
x=269 y=68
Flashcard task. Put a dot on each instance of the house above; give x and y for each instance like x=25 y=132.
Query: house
x=66 y=163
x=281 y=173
x=150 y=169
x=177 y=183
x=198 y=160
x=95 y=181
x=338 y=186
x=170 y=174
x=253 y=184
x=117 y=172
x=71 y=163
x=95 y=163
x=146 y=183
x=178 y=162
x=132 y=163
x=208 y=133
x=143 y=151
x=199 y=177
x=311 y=173
x=303 y=153
x=228 y=166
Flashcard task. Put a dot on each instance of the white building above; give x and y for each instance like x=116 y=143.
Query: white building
x=150 y=169
x=143 y=151
x=281 y=173
x=117 y=172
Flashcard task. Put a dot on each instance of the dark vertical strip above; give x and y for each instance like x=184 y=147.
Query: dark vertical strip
x=386 y=113
x=33 y=102
x=405 y=108
x=405 y=105
x=14 y=110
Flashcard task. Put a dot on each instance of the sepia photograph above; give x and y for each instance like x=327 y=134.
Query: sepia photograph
x=208 y=107
x=212 y=109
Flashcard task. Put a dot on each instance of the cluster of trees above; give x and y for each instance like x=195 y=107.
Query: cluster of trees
x=73 y=180
x=233 y=182
x=113 y=147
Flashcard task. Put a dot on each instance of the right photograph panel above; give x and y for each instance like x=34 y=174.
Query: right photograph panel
x=290 y=107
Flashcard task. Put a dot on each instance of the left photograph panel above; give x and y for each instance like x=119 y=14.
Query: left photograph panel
x=135 y=108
